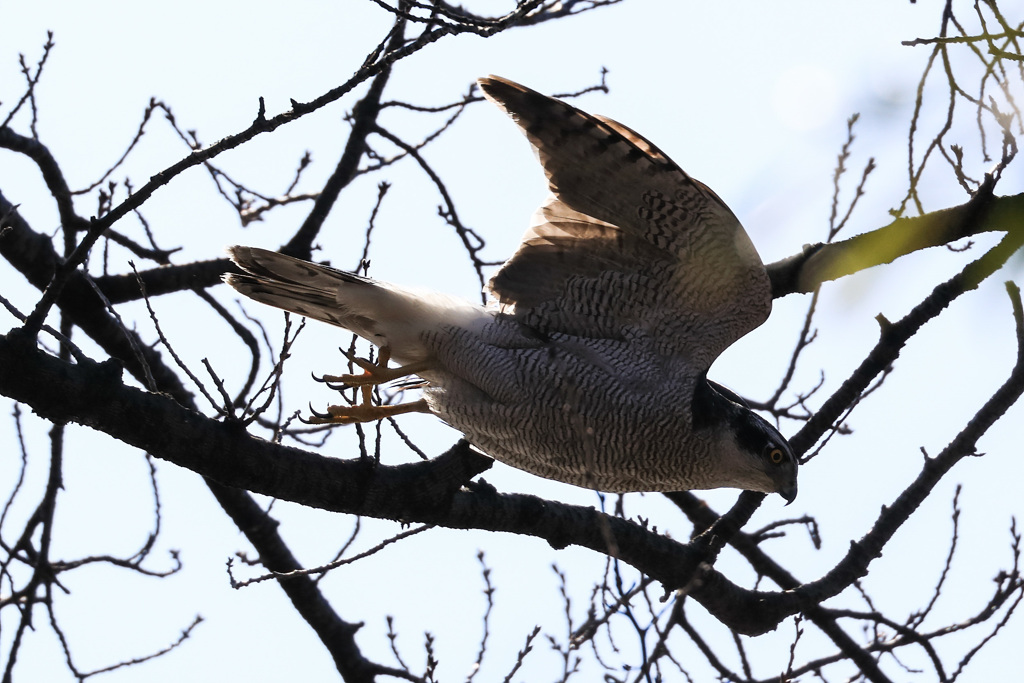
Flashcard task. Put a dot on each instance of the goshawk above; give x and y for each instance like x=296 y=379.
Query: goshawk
x=590 y=366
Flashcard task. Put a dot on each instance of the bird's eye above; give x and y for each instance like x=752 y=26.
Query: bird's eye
x=776 y=455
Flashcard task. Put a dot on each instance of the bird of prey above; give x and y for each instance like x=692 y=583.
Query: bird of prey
x=590 y=365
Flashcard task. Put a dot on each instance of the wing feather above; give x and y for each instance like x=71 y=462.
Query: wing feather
x=629 y=243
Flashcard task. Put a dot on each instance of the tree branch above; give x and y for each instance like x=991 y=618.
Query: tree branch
x=821 y=263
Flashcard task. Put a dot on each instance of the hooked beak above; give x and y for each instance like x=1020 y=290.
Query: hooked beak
x=788 y=492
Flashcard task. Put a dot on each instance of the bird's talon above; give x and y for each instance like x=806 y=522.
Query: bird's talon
x=374 y=374
x=316 y=418
x=344 y=415
x=318 y=415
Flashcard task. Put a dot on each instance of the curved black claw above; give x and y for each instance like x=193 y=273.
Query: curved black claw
x=318 y=415
x=332 y=382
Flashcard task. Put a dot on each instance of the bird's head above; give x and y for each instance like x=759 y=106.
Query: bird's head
x=752 y=453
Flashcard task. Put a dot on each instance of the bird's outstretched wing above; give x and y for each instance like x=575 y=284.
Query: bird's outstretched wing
x=628 y=243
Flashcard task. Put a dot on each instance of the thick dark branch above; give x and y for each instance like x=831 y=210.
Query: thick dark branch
x=164 y=280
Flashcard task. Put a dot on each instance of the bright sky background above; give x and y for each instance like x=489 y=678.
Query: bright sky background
x=750 y=97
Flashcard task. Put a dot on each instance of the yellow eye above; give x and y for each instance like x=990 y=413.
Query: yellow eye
x=776 y=455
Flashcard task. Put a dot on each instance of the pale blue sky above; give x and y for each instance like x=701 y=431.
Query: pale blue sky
x=750 y=97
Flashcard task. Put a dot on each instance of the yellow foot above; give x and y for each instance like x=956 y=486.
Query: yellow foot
x=346 y=415
x=375 y=373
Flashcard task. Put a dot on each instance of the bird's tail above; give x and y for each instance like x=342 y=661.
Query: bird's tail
x=310 y=289
x=385 y=314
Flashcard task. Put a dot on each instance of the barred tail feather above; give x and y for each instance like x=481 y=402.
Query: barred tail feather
x=382 y=313
x=309 y=289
